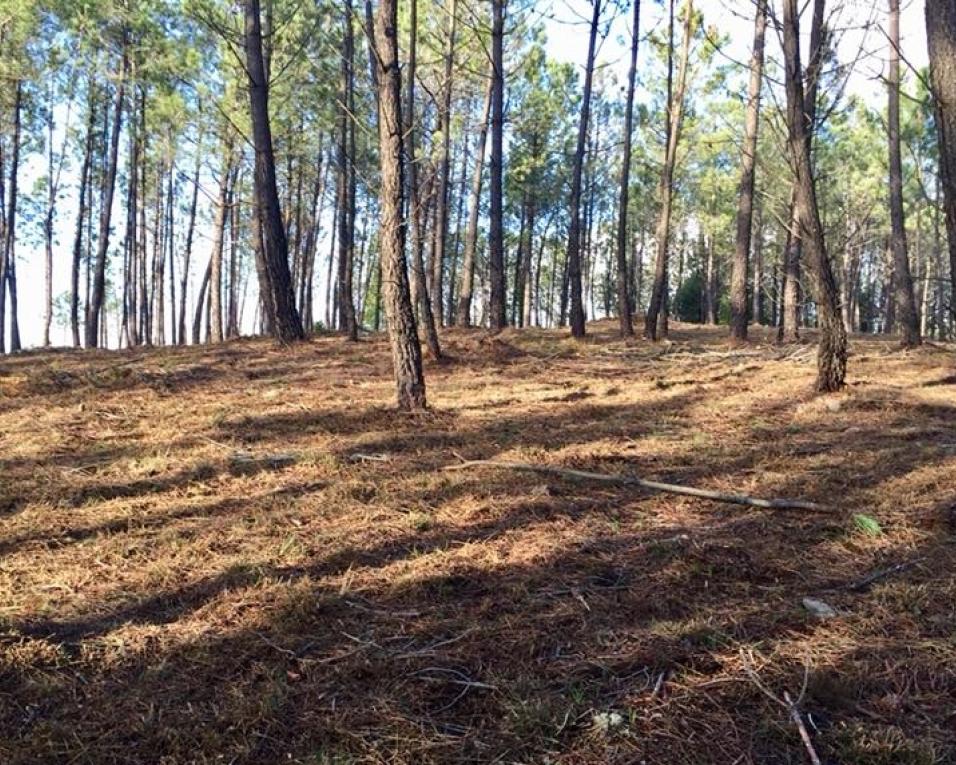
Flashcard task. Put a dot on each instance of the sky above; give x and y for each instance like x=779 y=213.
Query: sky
x=860 y=24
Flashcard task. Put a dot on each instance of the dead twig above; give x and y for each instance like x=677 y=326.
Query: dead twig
x=876 y=576
x=668 y=488
x=792 y=707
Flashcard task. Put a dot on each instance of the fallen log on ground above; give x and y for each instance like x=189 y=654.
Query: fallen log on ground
x=624 y=480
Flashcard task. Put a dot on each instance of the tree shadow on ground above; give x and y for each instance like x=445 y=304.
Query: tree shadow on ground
x=478 y=617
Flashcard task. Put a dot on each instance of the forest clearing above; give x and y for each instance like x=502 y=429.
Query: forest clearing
x=240 y=553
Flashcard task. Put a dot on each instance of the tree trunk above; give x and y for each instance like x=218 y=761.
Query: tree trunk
x=745 y=202
x=415 y=212
x=444 y=166
x=451 y=297
x=284 y=319
x=832 y=354
x=467 y=287
x=109 y=184
x=216 y=334
x=793 y=255
x=757 y=294
x=624 y=314
x=85 y=183
x=201 y=305
x=346 y=182
x=905 y=300
x=188 y=250
x=941 y=45
x=403 y=335
x=8 y=268
x=496 y=246
x=159 y=256
x=577 y=318
x=655 y=319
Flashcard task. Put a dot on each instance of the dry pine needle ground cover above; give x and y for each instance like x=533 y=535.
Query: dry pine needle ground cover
x=243 y=554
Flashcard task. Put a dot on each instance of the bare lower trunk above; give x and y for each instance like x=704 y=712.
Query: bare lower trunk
x=444 y=167
x=403 y=335
x=496 y=251
x=286 y=325
x=655 y=320
x=576 y=317
x=745 y=201
x=109 y=184
x=941 y=45
x=216 y=334
x=624 y=312
x=188 y=250
x=832 y=353
x=466 y=289
x=905 y=300
x=80 y=217
x=416 y=213
x=346 y=185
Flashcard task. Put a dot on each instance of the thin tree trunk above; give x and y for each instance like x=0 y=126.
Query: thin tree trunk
x=346 y=184
x=793 y=255
x=466 y=290
x=757 y=307
x=444 y=166
x=54 y=172
x=188 y=250
x=832 y=354
x=109 y=184
x=201 y=304
x=657 y=308
x=85 y=182
x=624 y=312
x=496 y=256
x=451 y=298
x=903 y=282
x=415 y=212
x=577 y=318
x=216 y=334
x=285 y=321
x=745 y=202
x=10 y=257
x=403 y=335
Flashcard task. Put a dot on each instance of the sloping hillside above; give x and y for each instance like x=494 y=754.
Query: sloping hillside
x=242 y=554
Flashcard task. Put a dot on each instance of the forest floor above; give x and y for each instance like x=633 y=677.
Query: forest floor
x=243 y=554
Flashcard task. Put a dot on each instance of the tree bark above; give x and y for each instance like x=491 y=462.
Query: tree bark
x=466 y=290
x=624 y=313
x=85 y=183
x=941 y=45
x=415 y=212
x=403 y=335
x=8 y=268
x=905 y=300
x=793 y=255
x=188 y=249
x=657 y=308
x=577 y=318
x=346 y=181
x=496 y=247
x=832 y=353
x=216 y=334
x=109 y=184
x=284 y=319
x=444 y=166
x=745 y=201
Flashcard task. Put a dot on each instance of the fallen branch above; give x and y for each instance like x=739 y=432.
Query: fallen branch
x=668 y=488
x=876 y=576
